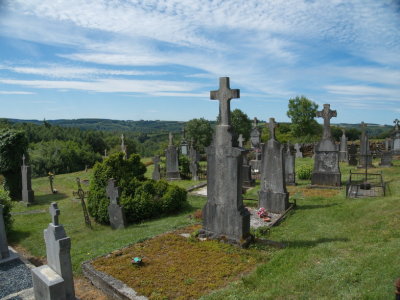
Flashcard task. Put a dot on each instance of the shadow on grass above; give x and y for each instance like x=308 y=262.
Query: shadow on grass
x=314 y=206
x=47 y=199
x=310 y=244
x=16 y=236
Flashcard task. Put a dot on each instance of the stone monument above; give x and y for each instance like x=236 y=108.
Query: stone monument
x=255 y=135
x=352 y=153
x=343 y=154
x=240 y=140
x=365 y=152
x=388 y=144
x=172 y=164
x=396 y=138
x=224 y=215
x=326 y=162
x=184 y=144
x=194 y=162
x=273 y=195
x=386 y=159
x=116 y=212
x=54 y=280
x=299 y=154
x=156 y=175
x=290 y=160
x=246 y=172
x=28 y=195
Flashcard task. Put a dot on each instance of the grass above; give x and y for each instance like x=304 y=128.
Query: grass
x=336 y=248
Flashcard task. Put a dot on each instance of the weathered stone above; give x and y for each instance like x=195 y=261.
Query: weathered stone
x=289 y=158
x=194 y=162
x=184 y=144
x=388 y=144
x=116 y=213
x=352 y=153
x=156 y=175
x=255 y=135
x=240 y=140
x=4 y=252
x=172 y=163
x=58 y=246
x=386 y=159
x=396 y=138
x=47 y=284
x=28 y=196
x=365 y=152
x=299 y=154
x=246 y=173
x=343 y=154
x=224 y=215
x=326 y=162
x=273 y=195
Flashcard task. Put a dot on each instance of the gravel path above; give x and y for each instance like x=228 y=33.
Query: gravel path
x=15 y=276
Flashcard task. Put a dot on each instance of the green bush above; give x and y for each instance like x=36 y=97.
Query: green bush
x=184 y=167
x=304 y=172
x=142 y=199
x=6 y=201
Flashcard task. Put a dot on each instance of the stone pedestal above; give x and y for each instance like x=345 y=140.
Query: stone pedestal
x=172 y=162
x=326 y=164
x=47 y=284
x=386 y=159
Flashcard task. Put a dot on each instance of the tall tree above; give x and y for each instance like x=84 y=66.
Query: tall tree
x=241 y=124
x=200 y=132
x=302 y=111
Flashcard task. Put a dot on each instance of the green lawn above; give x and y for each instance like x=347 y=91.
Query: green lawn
x=336 y=248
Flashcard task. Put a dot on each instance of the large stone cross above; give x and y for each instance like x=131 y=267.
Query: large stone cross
x=112 y=191
x=224 y=94
x=271 y=126
x=327 y=114
x=241 y=140
x=54 y=212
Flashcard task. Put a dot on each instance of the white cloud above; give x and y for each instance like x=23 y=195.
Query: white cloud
x=361 y=90
x=16 y=93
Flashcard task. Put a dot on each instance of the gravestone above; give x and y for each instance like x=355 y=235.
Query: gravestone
x=326 y=162
x=124 y=147
x=116 y=213
x=352 y=153
x=184 y=144
x=240 y=140
x=4 y=252
x=299 y=154
x=273 y=195
x=343 y=154
x=82 y=195
x=365 y=152
x=290 y=174
x=246 y=172
x=388 y=144
x=156 y=175
x=255 y=135
x=172 y=164
x=396 y=138
x=55 y=280
x=386 y=159
x=224 y=215
x=28 y=195
x=194 y=162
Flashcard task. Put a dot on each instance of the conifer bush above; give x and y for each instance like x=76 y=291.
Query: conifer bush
x=6 y=201
x=141 y=198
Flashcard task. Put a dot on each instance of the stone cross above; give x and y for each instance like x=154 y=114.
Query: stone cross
x=396 y=124
x=23 y=159
x=170 y=139
x=54 y=212
x=271 y=126
x=327 y=114
x=240 y=140
x=224 y=94
x=255 y=121
x=112 y=191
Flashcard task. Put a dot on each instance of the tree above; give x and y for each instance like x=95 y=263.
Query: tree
x=200 y=132
x=13 y=144
x=241 y=124
x=302 y=111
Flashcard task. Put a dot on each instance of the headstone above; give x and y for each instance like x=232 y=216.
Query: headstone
x=116 y=213
x=156 y=171
x=299 y=154
x=290 y=174
x=224 y=215
x=172 y=163
x=352 y=155
x=365 y=152
x=396 y=138
x=273 y=195
x=194 y=162
x=27 y=193
x=46 y=284
x=326 y=162
x=184 y=144
x=343 y=154
x=240 y=140
x=123 y=147
x=386 y=159
x=246 y=172
x=388 y=144
x=4 y=252
x=255 y=135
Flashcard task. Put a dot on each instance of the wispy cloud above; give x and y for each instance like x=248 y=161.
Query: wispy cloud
x=16 y=93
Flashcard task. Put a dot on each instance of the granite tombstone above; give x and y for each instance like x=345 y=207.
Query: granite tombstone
x=116 y=212
x=290 y=160
x=172 y=163
x=365 y=152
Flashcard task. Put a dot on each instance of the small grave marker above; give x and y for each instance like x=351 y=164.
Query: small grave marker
x=116 y=213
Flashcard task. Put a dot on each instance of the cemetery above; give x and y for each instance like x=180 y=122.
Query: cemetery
x=131 y=227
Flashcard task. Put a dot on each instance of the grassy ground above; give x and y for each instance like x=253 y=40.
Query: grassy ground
x=336 y=248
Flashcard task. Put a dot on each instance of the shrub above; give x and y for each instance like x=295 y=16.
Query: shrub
x=184 y=166
x=304 y=172
x=6 y=201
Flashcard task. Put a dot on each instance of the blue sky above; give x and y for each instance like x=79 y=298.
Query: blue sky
x=158 y=59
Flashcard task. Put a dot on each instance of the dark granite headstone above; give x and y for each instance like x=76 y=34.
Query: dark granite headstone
x=273 y=195
x=172 y=163
x=116 y=213
x=156 y=171
x=28 y=195
x=224 y=215
x=326 y=162
x=343 y=154
x=365 y=152
x=352 y=153
x=290 y=174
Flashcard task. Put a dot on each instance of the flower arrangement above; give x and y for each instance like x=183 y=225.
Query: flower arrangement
x=263 y=213
x=137 y=261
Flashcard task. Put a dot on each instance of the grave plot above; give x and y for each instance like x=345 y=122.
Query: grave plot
x=173 y=266
x=365 y=185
